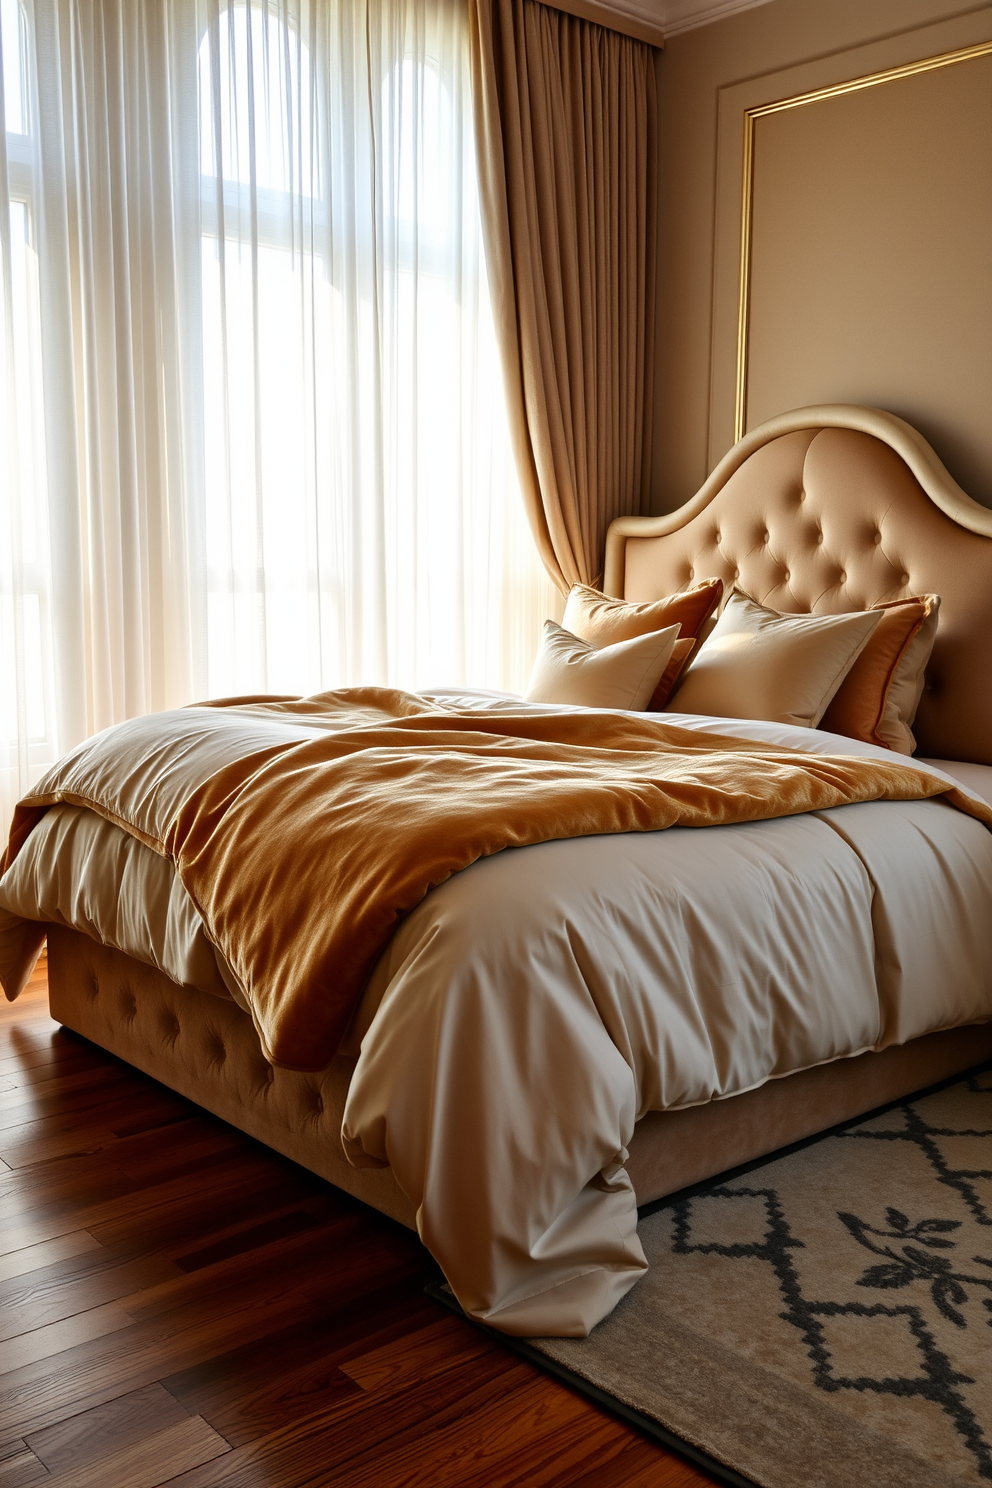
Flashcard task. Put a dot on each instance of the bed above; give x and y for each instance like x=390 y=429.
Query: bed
x=536 y=1054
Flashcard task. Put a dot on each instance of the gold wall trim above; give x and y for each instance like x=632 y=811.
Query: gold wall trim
x=799 y=100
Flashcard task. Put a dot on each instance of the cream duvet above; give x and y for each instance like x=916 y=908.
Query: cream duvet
x=532 y=1007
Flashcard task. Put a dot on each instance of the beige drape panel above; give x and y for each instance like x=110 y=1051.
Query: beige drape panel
x=566 y=123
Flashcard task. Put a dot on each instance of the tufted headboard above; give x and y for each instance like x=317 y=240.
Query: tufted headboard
x=834 y=508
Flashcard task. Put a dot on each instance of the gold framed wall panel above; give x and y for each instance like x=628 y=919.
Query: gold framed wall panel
x=782 y=105
x=796 y=347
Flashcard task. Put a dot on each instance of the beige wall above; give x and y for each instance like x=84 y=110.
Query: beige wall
x=933 y=367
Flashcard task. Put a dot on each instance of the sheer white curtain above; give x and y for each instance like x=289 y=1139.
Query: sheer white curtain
x=253 y=427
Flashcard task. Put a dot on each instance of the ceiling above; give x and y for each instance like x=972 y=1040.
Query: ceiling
x=673 y=16
x=683 y=15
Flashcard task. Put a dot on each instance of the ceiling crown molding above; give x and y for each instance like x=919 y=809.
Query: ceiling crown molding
x=686 y=15
x=654 y=20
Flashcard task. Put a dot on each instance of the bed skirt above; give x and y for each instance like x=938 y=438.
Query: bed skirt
x=206 y=1049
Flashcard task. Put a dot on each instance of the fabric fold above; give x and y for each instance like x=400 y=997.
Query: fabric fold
x=304 y=830
x=565 y=122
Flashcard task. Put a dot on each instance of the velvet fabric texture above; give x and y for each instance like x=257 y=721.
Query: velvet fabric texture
x=603 y=621
x=566 y=130
x=305 y=829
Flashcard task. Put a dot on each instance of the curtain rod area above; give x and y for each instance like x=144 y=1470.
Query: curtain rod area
x=640 y=27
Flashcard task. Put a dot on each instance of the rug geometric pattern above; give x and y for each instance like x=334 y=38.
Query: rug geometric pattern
x=826 y=1318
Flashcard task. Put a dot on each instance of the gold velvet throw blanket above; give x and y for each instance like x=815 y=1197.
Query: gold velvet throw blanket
x=304 y=829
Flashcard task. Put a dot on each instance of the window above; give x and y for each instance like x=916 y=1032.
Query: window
x=358 y=482
x=27 y=729
x=262 y=285
x=258 y=434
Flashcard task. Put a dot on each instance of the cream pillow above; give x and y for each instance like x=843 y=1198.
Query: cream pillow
x=903 y=698
x=758 y=663
x=568 y=670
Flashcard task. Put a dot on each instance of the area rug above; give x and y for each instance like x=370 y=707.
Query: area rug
x=823 y=1320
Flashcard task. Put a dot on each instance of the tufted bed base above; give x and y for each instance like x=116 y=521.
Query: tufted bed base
x=206 y=1049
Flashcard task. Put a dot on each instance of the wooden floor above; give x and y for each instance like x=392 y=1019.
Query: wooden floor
x=180 y=1305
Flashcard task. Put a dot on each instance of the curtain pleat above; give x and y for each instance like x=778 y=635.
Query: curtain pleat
x=566 y=120
x=103 y=206
x=250 y=362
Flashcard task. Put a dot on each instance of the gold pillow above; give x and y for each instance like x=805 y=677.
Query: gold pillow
x=569 y=670
x=878 y=699
x=602 y=621
x=758 y=663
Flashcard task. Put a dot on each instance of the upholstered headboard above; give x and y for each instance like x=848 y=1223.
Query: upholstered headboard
x=834 y=508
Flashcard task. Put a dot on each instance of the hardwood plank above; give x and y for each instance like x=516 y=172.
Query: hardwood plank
x=291 y=1222
x=146 y=1464
x=305 y=1451
x=19 y=1467
x=109 y=1428
x=182 y=1212
x=31 y=1039
x=30 y=1061
x=444 y=1344
x=299 y=1279
x=21 y=1151
x=317 y=1388
x=99 y=1106
x=23 y=1234
x=69 y=1287
x=57 y=1094
x=55 y=1338
x=93 y=1183
x=641 y=1464
x=251 y=1391
x=155 y=1157
x=35 y=1257
x=23 y=1231
x=113 y=1207
x=94 y=1372
x=114 y=1113
x=486 y=1449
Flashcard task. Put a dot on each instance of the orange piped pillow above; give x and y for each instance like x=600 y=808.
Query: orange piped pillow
x=878 y=699
x=601 y=621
